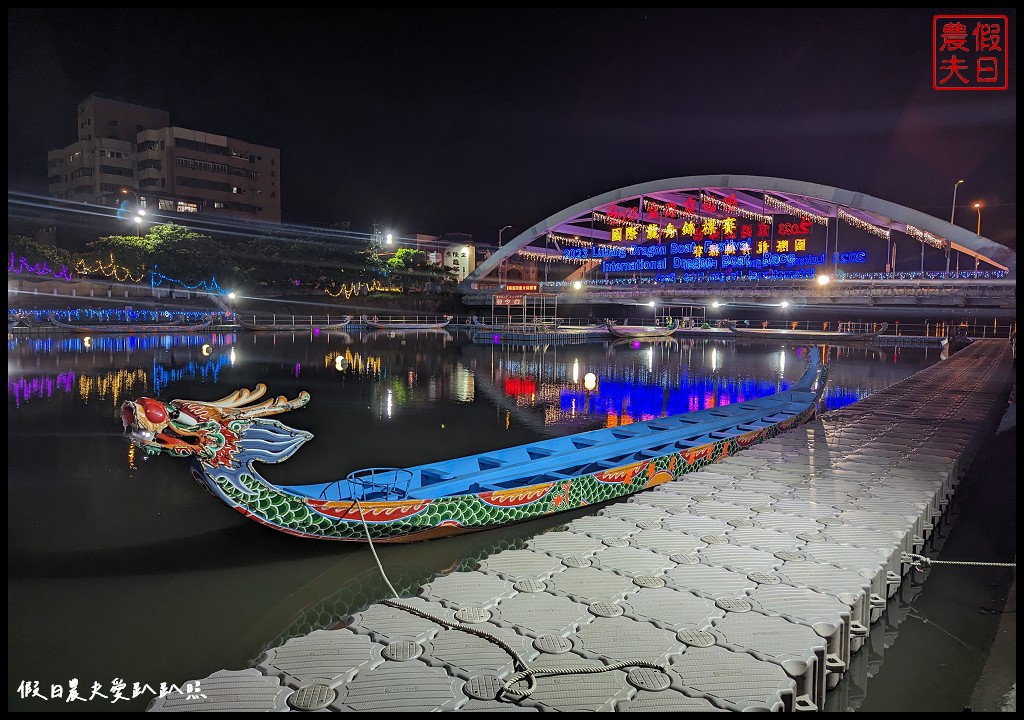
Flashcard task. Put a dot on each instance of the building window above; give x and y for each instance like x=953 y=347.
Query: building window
x=187 y=207
x=112 y=170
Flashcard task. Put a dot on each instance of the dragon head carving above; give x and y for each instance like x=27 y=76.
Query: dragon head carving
x=208 y=431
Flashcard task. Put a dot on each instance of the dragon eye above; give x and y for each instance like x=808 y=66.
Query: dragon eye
x=154 y=410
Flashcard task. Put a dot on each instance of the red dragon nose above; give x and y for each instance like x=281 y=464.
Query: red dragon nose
x=155 y=411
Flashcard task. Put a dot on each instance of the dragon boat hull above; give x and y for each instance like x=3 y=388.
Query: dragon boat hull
x=130 y=328
x=468 y=494
x=808 y=335
x=254 y=326
x=640 y=332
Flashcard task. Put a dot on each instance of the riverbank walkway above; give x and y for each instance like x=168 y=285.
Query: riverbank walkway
x=750 y=585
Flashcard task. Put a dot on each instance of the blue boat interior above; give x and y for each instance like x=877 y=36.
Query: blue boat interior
x=564 y=458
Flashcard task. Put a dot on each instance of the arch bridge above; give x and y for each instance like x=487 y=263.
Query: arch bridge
x=748 y=239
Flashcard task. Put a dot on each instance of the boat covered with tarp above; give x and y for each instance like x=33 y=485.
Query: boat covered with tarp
x=403 y=324
x=786 y=334
x=292 y=323
x=174 y=324
x=226 y=438
x=641 y=331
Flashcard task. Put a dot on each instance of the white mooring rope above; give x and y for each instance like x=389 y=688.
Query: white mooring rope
x=922 y=561
x=525 y=672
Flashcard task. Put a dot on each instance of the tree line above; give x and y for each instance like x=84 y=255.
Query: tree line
x=265 y=263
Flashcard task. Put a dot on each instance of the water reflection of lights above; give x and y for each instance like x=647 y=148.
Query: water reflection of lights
x=232 y=356
x=117 y=343
x=116 y=384
x=575 y=371
x=463 y=384
x=208 y=370
x=387 y=405
x=624 y=402
x=782 y=363
x=346 y=359
x=714 y=360
x=23 y=389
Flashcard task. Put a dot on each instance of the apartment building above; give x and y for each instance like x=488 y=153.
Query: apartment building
x=127 y=152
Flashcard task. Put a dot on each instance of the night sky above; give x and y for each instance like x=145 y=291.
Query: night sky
x=436 y=121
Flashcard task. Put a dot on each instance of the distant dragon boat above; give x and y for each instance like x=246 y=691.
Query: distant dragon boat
x=641 y=331
x=274 y=326
x=225 y=438
x=400 y=324
x=809 y=335
x=175 y=325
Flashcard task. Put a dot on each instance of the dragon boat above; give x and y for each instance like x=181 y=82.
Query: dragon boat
x=633 y=332
x=173 y=325
x=809 y=335
x=274 y=326
x=389 y=324
x=225 y=438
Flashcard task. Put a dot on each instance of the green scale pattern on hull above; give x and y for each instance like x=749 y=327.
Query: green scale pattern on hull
x=294 y=514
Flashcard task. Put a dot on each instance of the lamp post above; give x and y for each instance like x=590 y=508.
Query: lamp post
x=501 y=270
x=952 y=215
x=139 y=210
x=977 y=206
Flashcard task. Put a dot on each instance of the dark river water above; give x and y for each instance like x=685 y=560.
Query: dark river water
x=123 y=574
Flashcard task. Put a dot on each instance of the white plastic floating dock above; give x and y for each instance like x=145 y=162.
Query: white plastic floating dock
x=750 y=585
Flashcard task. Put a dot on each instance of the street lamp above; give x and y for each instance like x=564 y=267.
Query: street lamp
x=139 y=210
x=389 y=239
x=499 y=248
x=977 y=260
x=952 y=213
